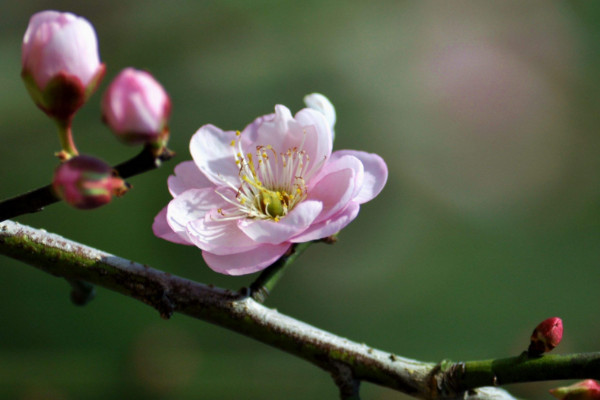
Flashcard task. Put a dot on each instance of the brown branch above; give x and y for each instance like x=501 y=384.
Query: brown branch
x=348 y=362
x=169 y=293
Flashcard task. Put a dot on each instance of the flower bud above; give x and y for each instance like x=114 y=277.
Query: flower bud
x=546 y=336
x=584 y=390
x=61 y=65
x=86 y=182
x=136 y=108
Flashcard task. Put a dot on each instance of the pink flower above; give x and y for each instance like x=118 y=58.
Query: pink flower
x=86 y=182
x=247 y=197
x=61 y=65
x=136 y=107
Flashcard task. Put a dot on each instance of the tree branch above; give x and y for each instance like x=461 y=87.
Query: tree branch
x=348 y=362
x=169 y=293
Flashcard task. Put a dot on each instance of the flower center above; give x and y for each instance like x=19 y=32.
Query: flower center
x=271 y=183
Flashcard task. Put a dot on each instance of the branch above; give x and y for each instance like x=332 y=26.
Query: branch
x=169 y=293
x=348 y=362
x=37 y=199
x=524 y=368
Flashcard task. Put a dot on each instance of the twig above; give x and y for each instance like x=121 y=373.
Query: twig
x=37 y=199
x=268 y=278
x=524 y=368
x=345 y=381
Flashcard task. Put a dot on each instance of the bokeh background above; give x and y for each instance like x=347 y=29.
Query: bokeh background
x=486 y=113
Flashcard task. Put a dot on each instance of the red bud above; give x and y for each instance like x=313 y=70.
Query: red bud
x=546 y=336
x=584 y=390
x=86 y=182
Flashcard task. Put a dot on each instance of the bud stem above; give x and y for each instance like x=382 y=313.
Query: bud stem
x=266 y=281
x=65 y=135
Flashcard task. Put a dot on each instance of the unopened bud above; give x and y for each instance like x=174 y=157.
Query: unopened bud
x=546 y=336
x=60 y=61
x=86 y=182
x=584 y=390
x=136 y=108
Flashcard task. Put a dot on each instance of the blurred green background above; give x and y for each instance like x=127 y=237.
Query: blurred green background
x=486 y=113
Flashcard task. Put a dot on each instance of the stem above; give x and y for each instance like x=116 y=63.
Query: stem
x=37 y=199
x=344 y=379
x=145 y=161
x=529 y=369
x=268 y=278
x=451 y=379
x=65 y=135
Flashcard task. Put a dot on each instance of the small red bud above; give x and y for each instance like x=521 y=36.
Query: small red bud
x=584 y=390
x=546 y=336
x=86 y=182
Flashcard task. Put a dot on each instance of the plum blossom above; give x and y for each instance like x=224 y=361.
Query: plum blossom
x=248 y=196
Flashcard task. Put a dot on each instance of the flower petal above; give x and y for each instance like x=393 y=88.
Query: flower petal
x=269 y=231
x=337 y=184
x=246 y=262
x=187 y=176
x=329 y=227
x=213 y=153
x=308 y=130
x=274 y=130
x=376 y=173
x=319 y=139
x=191 y=205
x=318 y=102
x=219 y=237
x=161 y=228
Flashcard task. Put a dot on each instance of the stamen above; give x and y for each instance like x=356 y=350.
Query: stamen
x=271 y=183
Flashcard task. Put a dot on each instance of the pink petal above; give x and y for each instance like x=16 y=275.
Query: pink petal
x=161 y=229
x=213 y=153
x=376 y=173
x=187 y=176
x=191 y=205
x=337 y=185
x=247 y=262
x=274 y=131
x=319 y=139
x=330 y=226
x=318 y=102
x=250 y=132
x=296 y=221
x=219 y=237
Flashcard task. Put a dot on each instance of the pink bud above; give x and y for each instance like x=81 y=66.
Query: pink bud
x=86 y=182
x=584 y=390
x=546 y=336
x=136 y=107
x=61 y=65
